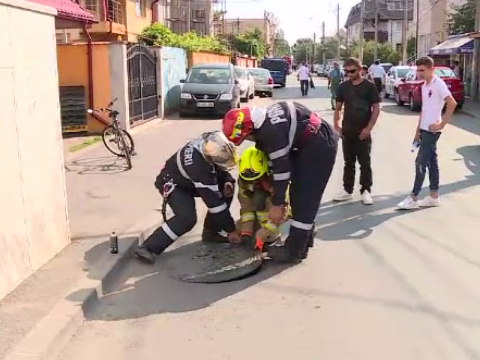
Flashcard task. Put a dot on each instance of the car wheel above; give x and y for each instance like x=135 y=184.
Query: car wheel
x=459 y=106
x=397 y=98
x=386 y=95
x=252 y=95
x=270 y=94
x=182 y=114
x=413 y=105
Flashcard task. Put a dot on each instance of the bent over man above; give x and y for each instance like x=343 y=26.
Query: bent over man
x=302 y=149
x=199 y=169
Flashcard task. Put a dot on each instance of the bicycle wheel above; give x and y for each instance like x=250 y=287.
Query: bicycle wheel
x=125 y=150
x=111 y=140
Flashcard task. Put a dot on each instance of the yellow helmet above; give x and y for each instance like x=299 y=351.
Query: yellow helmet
x=253 y=164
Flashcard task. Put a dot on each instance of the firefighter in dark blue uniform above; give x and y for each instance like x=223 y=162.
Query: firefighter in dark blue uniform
x=302 y=149
x=199 y=169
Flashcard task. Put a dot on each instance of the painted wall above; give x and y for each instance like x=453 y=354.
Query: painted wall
x=173 y=66
x=246 y=62
x=206 y=58
x=33 y=206
x=137 y=22
x=109 y=76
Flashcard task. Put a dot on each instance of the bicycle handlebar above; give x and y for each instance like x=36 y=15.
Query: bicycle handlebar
x=106 y=109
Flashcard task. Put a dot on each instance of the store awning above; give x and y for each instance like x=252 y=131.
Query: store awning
x=454 y=45
x=68 y=10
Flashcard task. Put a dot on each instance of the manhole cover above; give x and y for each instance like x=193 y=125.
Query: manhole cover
x=201 y=262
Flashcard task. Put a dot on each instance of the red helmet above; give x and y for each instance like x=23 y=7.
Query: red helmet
x=237 y=125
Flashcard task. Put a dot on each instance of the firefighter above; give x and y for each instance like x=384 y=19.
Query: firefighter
x=199 y=169
x=302 y=149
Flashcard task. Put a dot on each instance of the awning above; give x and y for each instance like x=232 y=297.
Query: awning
x=67 y=9
x=454 y=45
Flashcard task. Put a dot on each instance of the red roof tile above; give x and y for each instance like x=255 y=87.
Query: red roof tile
x=67 y=9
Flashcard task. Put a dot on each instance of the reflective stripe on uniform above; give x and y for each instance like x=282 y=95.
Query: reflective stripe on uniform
x=169 y=232
x=270 y=226
x=200 y=185
x=293 y=123
x=301 y=226
x=180 y=166
x=281 y=176
x=262 y=215
x=217 y=209
x=279 y=153
x=247 y=216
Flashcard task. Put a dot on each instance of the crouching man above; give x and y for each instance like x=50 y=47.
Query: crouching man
x=199 y=169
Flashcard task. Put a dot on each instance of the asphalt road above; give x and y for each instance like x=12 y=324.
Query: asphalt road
x=379 y=284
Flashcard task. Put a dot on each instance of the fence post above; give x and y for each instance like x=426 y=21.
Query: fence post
x=119 y=81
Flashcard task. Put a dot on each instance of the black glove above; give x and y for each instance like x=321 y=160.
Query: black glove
x=247 y=240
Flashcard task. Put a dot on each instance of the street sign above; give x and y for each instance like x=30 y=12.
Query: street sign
x=202 y=262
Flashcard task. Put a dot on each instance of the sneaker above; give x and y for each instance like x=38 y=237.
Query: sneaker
x=429 y=201
x=408 y=204
x=343 y=196
x=367 y=198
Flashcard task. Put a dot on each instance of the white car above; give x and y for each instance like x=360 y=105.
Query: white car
x=394 y=77
x=246 y=83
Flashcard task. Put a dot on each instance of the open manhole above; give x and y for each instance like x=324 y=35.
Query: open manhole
x=202 y=262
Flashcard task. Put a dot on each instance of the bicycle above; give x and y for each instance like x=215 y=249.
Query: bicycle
x=114 y=134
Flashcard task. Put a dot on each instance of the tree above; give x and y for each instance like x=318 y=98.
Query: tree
x=385 y=52
x=461 y=19
x=280 y=45
x=411 y=47
x=250 y=43
x=303 y=50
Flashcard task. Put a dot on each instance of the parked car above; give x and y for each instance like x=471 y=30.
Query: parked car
x=410 y=88
x=246 y=84
x=209 y=89
x=386 y=66
x=263 y=81
x=394 y=76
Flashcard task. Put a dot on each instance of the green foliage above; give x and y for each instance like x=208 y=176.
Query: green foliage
x=303 y=50
x=160 y=35
x=249 y=43
x=411 y=47
x=386 y=53
x=280 y=45
x=461 y=19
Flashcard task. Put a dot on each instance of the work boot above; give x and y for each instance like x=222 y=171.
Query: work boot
x=281 y=255
x=211 y=236
x=145 y=255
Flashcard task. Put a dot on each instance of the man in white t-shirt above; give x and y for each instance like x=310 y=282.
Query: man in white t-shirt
x=435 y=95
x=378 y=74
x=304 y=77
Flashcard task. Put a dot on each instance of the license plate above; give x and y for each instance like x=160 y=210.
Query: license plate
x=205 y=104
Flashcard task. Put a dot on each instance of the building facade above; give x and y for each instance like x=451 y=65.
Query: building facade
x=189 y=15
x=390 y=21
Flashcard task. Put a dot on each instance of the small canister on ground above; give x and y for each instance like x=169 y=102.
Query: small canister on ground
x=113 y=243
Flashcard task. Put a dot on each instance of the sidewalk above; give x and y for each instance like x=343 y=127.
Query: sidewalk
x=472 y=109
x=102 y=198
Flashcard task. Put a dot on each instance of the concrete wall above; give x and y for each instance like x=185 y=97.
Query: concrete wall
x=244 y=61
x=33 y=206
x=109 y=76
x=173 y=67
x=135 y=22
x=206 y=58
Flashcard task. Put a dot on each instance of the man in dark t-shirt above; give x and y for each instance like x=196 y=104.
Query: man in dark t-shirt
x=360 y=102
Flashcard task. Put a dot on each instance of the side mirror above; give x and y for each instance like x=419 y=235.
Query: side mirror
x=403 y=79
x=182 y=81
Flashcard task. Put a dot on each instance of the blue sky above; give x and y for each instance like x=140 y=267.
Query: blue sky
x=298 y=18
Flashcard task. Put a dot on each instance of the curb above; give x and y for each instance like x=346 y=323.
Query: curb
x=48 y=339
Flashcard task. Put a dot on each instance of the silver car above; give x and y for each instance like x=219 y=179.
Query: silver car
x=263 y=81
x=394 y=77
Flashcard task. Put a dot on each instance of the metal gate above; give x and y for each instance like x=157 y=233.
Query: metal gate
x=142 y=83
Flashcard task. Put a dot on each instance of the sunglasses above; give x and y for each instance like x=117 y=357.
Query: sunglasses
x=350 y=71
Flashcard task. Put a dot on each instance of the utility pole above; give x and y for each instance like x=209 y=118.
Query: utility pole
x=417 y=28
x=323 y=44
x=338 y=31
x=314 y=46
x=404 y=31
x=476 y=56
x=189 y=14
x=375 y=48
x=362 y=27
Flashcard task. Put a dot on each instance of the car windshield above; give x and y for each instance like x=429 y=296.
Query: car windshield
x=209 y=76
x=260 y=74
x=402 y=72
x=240 y=73
x=445 y=73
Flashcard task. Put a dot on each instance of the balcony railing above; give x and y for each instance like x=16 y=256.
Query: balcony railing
x=115 y=10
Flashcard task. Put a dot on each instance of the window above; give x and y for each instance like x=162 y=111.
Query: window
x=209 y=76
x=394 y=5
x=199 y=14
x=140 y=8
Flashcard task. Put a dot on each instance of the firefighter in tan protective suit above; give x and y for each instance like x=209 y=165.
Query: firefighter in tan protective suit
x=255 y=193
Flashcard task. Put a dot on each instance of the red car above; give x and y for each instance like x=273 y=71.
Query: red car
x=410 y=88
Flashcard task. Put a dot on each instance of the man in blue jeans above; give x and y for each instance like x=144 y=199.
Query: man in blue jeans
x=435 y=95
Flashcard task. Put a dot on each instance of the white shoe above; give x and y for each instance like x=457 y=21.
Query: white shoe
x=408 y=204
x=367 y=198
x=343 y=196
x=429 y=201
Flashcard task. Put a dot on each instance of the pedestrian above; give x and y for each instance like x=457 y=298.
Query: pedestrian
x=365 y=73
x=335 y=77
x=199 y=169
x=304 y=77
x=361 y=106
x=435 y=94
x=302 y=150
x=378 y=74
x=457 y=70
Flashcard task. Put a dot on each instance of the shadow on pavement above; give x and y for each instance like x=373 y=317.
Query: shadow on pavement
x=97 y=166
x=390 y=107
x=362 y=220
